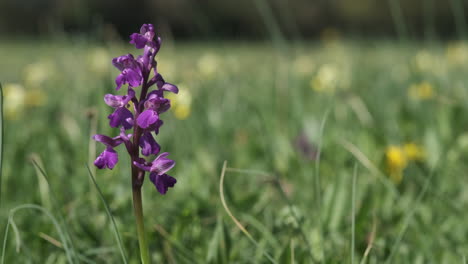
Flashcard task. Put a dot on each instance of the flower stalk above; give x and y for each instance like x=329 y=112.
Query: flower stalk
x=144 y=119
x=138 y=211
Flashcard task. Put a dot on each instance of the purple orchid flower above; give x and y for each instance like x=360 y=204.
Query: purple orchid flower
x=145 y=38
x=108 y=158
x=148 y=144
x=145 y=119
x=158 y=169
x=130 y=71
x=160 y=165
x=121 y=116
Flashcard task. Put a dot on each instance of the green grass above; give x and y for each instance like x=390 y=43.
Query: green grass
x=250 y=102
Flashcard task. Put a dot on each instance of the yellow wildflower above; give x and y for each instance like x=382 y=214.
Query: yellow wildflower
x=326 y=79
x=425 y=61
x=168 y=69
x=37 y=73
x=182 y=112
x=397 y=161
x=414 y=152
x=457 y=53
x=35 y=97
x=14 y=97
x=181 y=103
x=303 y=65
x=421 y=91
x=208 y=64
x=98 y=61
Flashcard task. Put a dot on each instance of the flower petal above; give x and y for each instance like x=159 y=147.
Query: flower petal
x=162 y=164
x=162 y=182
x=119 y=81
x=133 y=77
x=125 y=62
x=138 y=40
x=108 y=141
x=114 y=100
x=108 y=158
x=147 y=30
x=157 y=103
x=121 y=117
x=170 y=88
x=144 y=38
x=155 y=127
x=142 y=164
x=147 y=118
x=148 y=144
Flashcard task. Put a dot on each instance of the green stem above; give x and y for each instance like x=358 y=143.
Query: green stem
x=138 y=210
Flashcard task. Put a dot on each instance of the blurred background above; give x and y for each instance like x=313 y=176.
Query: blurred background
x=343 y=124
x=243 y=19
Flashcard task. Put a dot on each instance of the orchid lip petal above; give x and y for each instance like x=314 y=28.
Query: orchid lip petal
x=162 y=182
x=148 y=144
x=108 y=158
x=121 y=117
x=147 y=118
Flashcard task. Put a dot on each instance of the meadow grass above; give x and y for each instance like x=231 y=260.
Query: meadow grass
x=249 y=104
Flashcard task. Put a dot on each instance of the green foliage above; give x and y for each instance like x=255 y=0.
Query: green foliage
x=248 y=104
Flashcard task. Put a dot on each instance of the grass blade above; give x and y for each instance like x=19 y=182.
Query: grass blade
x=114 y=226
x=44 y=190
x=410 y=215
x=56 y=224
x=277 y=184
x=367 y=163
x=271 y=24
x=188 y=256
x=1 y=140
x=397 y=17
x=54 y=200
x=353 y=217
x=459 y=16
x=238 y=224
x=370 y=243
x=317 y=184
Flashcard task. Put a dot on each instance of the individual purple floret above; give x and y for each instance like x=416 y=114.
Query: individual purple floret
x=131 y=71
x=158 y=169
x=139 y=109
x=108 y=158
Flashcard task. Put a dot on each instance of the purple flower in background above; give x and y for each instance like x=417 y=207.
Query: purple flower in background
x=307 y=149
x=145 y=119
